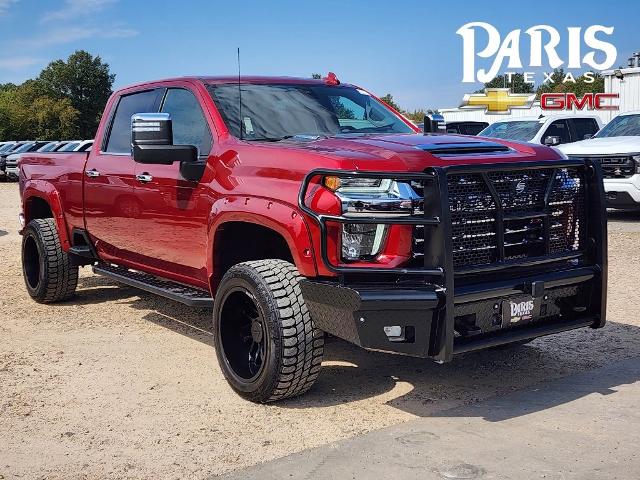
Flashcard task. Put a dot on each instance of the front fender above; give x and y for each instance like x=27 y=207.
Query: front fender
x=279 y=217
x=47 y=192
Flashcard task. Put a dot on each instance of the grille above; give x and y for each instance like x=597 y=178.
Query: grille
x=617 y=166
x=473 y=220
x=418 y=241
x=508 y=215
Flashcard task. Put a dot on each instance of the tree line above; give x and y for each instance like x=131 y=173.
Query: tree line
x=64 y=101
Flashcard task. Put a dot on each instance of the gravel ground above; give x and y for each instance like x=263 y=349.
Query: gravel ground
x=124 y=384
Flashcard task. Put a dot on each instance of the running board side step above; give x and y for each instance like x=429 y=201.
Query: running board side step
x=194 y=297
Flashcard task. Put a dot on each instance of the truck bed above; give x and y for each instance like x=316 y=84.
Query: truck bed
x=58 y=171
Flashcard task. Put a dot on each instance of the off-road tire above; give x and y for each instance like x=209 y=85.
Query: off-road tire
x=48 y=272
x=295 y=347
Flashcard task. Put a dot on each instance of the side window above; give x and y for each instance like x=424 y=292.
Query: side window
x=584 y=126
x=557 y=129
x=189 y=124
x=120 y=134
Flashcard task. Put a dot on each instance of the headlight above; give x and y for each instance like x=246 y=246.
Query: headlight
x=365 y=198
x=636 y=159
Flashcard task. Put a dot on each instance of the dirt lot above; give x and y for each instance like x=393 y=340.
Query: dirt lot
x=123 y=384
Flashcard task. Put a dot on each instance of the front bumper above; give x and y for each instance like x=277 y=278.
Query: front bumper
x=623 y=193
x=366 y=316
x=433 y=309
x=12 y=172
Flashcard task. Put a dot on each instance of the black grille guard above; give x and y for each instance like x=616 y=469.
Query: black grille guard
x=438 y=270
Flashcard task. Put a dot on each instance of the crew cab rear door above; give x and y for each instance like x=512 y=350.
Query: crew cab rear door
x=172 y=228
x=111 y=208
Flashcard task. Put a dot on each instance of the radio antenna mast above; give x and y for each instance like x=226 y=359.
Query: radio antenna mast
x=239 y=96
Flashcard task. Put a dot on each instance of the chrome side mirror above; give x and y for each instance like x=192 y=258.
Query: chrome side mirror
x=152 y=141
x=552 y=141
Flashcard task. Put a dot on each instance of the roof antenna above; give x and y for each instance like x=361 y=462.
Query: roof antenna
x=239 y=95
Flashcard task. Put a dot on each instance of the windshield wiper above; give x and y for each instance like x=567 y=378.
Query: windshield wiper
x=305 y=136
x=301 y=136
x=263 y=139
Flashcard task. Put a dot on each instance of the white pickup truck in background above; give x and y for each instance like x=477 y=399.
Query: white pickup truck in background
x=617 y=146
x=551 y=130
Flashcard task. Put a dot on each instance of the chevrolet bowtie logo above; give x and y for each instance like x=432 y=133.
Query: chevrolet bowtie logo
x=497 y=100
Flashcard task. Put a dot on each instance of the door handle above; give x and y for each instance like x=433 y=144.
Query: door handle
x=92 y=173
x=144 y=178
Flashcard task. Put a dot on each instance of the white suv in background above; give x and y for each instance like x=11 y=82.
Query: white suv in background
x=617 y=147
x=549 y=130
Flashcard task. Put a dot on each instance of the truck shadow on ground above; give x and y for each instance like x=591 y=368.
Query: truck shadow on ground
x=419 y=386
x=624 y=215
x=3 y=233
x=423 y=388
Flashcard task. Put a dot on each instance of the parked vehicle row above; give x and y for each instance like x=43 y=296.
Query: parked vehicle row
x=12 y=151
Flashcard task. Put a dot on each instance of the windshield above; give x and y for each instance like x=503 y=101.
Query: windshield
x=23 y=148
x=621 y=126
x=7 y=147
x=523 y=130
x=276 y=112
x=48 y=147
x=69 y=147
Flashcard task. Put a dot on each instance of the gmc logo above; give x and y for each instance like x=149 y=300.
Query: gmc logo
x=569 y=101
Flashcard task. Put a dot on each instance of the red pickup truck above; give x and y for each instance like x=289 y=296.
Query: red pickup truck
x=299 y=207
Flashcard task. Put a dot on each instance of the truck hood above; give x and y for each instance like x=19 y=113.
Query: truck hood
x=602 y=146
x=415 y=152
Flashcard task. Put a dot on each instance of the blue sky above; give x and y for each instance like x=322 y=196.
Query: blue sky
x=407 y=48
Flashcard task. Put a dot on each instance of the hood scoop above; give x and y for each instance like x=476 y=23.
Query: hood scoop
x=464 y=148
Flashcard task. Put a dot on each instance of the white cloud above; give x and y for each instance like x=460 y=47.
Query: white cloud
x=76 y=8
x=18 y=63
x=72 y=34
x=5 y=4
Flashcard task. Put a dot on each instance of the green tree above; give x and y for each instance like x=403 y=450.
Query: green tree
x=85 y=81
x=517 y=84
x=27 y=113
x=388 y=99
x=581 y=85
x=416 y=116
x=7 y=86
x=550 y=85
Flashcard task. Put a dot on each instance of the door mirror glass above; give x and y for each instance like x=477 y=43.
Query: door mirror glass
x=152 y=141
x=552 y=141
x=151 y=129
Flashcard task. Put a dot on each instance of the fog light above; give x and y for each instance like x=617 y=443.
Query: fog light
x=361 y=241
x=395 y=333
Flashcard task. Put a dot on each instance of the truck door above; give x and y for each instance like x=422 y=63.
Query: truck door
x=175 y=212
x=583 y=128
x=559 y=129
x=110 y=206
